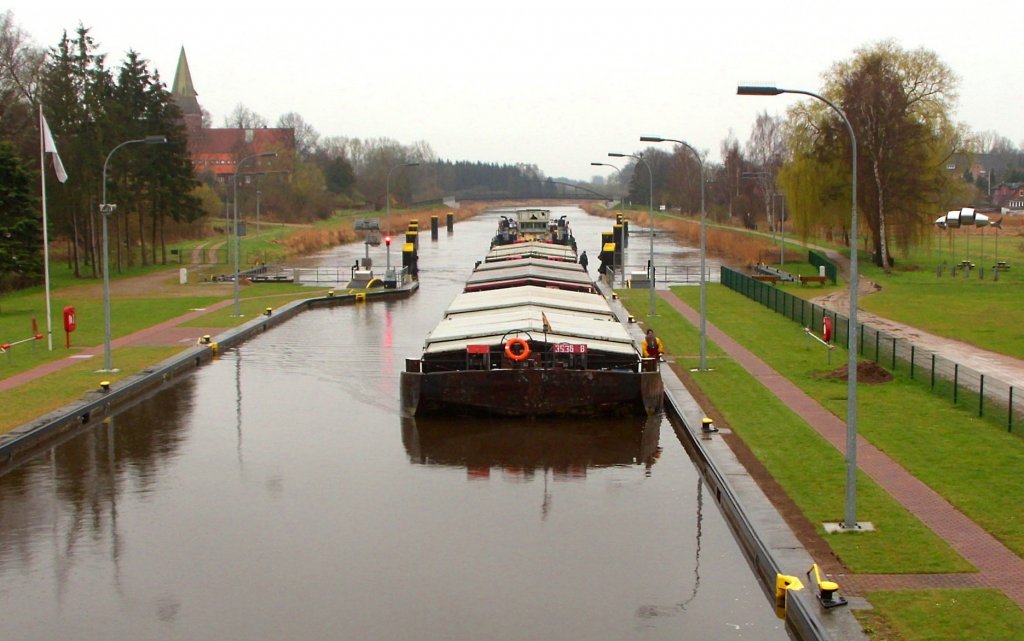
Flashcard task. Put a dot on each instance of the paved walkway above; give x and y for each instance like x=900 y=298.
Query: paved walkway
x=165 y=333
x=998 y=566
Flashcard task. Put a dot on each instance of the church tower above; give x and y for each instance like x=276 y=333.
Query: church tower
x=185 y=96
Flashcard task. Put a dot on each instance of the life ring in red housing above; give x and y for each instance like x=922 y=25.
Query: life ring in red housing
x=826 y=328
x=517 y=349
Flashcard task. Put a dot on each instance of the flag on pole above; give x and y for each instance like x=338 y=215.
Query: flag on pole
x=51 y=147
x=544 y=321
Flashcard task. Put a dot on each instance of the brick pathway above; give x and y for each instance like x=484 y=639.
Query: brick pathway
x=165 y=333
x=998 y=566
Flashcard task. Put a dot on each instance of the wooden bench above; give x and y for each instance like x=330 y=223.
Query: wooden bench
x=813 y=279
x=1001 y=265
x=766 y=278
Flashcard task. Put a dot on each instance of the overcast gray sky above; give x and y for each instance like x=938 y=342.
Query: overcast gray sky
x=557 y=84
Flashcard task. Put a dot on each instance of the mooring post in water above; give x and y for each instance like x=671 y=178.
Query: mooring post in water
x=450 y=221
x=433 y=227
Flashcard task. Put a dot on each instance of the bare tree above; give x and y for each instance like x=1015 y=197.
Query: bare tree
x=306 y=137
x=766 y=149
x=242 y=117
x=20 y=64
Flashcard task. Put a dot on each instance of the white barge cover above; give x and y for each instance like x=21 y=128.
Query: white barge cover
x=487 y=317
x=532 y=248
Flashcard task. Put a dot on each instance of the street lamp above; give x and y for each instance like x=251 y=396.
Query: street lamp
x=650 y=211
x=387 y=209
x=782 y=228
x=703 y=251
x=260 y=174
x=850 y=518
x=238 y=241
x=622 y=277
x=105 y=210
x=387 y=192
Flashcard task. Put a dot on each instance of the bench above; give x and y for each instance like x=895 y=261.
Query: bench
x=766 y=278
x=813 y=279
x=1002 y=264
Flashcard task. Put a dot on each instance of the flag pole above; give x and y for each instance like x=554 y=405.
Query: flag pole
x=46 y=240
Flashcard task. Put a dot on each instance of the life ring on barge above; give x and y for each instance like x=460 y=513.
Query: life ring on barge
x=510 y=349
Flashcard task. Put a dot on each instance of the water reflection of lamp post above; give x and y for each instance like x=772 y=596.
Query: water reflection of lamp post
x=106 y=209
x=622 y=277
x=650 y=214
x=703 y=251
x=850 y=517
x=238 y=241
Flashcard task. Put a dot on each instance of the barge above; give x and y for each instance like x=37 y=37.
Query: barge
x=530 y=335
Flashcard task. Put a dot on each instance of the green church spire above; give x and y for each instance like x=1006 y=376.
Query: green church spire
x=183 y=78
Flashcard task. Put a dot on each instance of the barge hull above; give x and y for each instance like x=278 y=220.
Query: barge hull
x=531 y=392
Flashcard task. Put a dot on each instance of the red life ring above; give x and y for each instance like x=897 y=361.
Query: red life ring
x=522 y=354
x=826 y=328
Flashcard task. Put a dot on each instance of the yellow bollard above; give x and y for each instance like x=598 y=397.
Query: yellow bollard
x=783 y=584
x=330 y=293
x=361 y=297
x=267 y=311
x=826 y=589
x=105 y=386
x=214 y=347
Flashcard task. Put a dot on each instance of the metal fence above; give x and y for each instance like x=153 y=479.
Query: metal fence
x=819 y=260
x=965 y=387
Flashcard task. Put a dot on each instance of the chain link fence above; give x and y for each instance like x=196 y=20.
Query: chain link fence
x=965 y=387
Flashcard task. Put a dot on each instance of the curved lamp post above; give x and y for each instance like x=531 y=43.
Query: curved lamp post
x=850 y=517
x=238 y=241
x=650 y=212
x=106 y=209
x=703 y=251
x=622 y=276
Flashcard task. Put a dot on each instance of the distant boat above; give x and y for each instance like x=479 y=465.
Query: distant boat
x=530 y=336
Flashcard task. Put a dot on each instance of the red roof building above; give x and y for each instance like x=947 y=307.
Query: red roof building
x=217 y=151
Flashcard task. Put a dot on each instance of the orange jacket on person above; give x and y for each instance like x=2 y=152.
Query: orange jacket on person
x=644 y=348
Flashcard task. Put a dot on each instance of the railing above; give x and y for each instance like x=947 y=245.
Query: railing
x=965 y=387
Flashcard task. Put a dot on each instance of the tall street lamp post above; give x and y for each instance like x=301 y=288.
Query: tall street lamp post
x=650 y=212
x=238 y=241
x=387 y=210
x=782 y=229
x=106 y=209
x=850 y=517
x=622 y=267
x=703 y=251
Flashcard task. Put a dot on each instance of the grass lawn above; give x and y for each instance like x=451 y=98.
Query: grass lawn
x=933 y=615
x=37 y=398
x=811 y=471
x=971 y=462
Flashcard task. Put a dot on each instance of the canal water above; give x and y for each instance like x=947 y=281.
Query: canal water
x=277 y=493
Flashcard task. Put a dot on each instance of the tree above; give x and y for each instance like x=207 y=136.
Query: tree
x=899 y=105
x=241 y=117
x=20 y=228
x=306 y=137
x=766 y=151
x=728 y=183
x=20 y=61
